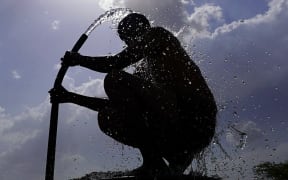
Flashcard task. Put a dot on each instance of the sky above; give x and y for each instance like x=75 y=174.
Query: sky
x=240 y=47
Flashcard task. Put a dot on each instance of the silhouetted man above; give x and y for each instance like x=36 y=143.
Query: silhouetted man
x=165 y=108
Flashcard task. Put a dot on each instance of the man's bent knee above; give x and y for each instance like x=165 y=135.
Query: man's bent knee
x=113 y=77
x=113 y=81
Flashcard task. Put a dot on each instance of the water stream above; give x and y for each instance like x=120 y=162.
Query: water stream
x=114 y=15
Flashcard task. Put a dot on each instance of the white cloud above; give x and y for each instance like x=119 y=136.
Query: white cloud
x=10 y=133
x=187 y=2
x=276 y=8
x=199 y=21
x=93 y=87
x=55 y=25
x=17 y=139
x=15 y=74
x=108 y=4
x=4 y=121
x=241 y=57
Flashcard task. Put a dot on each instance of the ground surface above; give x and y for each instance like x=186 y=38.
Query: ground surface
x=121 y=176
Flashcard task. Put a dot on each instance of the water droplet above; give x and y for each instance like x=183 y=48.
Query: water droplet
x=268 y=53
x=243 y=140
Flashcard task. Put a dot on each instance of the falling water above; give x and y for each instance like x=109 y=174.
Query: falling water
x=215 y=151
x=242 y=139
x=111 y=15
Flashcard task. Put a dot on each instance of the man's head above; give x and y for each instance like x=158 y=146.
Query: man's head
x=132 y=27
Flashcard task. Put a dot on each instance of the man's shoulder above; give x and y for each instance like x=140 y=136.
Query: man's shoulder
x=159 y=33
x=159 y=30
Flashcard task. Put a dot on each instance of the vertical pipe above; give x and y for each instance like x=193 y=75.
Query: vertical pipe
x=50 y=161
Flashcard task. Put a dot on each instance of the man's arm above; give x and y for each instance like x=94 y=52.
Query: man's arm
x=106 y=64
x=61 y=95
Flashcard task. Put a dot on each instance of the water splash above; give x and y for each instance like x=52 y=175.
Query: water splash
x=243 y=138
x=114 y=14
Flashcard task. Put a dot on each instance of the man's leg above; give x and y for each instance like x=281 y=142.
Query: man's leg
x=92 y=103
x=122 y=125
x=61 y=95
x=140 y=107
x=159 y=104
x=178 y=162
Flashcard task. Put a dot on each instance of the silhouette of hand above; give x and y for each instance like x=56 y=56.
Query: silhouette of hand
x=71 y=58
x=59 y=95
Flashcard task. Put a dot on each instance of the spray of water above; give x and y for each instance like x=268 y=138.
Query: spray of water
x=242 y=139
x=111 y=15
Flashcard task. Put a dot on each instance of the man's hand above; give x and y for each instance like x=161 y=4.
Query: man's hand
x=59 y=95
x=71 y=59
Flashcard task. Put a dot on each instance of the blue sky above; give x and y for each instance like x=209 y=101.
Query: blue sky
x=240 y=46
